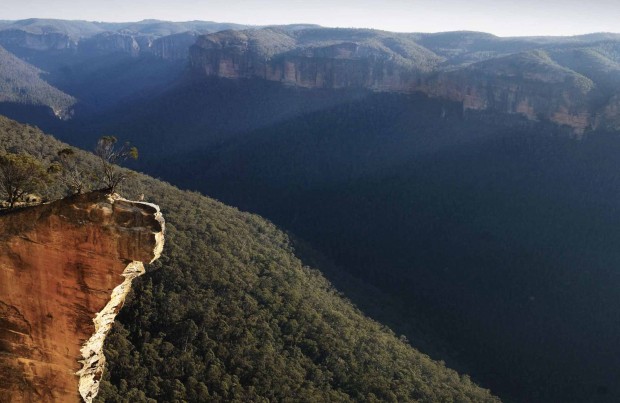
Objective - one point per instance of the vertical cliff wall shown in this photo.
(65, 269)
(522, 81)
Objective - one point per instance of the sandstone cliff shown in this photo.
(65, 269)
(50, 40)
(526, 83)
(483, 72)
(110, 42)
(173, 47)
(37, 41)
(306, 59)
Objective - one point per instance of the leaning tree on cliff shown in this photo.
(110, 154)
(20, 174)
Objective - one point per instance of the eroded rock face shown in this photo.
(529, 83)
(109, 42)
(345, 65)
(174, 47)
(65, 269)
(48, 41)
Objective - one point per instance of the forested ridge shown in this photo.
(229, 313)
(488, 238)
(21, 83)
(493, 239)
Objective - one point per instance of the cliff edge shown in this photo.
(65, 269)
(568, 82)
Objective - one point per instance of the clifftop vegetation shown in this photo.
(229, 313)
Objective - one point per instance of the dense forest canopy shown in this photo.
(229, 313)
(476, 215)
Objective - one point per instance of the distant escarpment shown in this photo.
(528, 83)
(65, 269)
(164, 39)
(36, 40)
(315, 58)
(542, 80)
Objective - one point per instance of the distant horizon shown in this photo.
(503, 18)
(301, 23)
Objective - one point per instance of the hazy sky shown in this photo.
(500, 17)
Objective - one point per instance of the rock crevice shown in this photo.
(65, 270)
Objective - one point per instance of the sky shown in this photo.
(499, 17)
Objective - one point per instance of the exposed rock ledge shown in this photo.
(65, 269)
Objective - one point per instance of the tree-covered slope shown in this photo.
(503, 233)
(21, 83)
(229, 313)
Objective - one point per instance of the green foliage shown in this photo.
(20, 174)
(426, 209)
(71, 174)
(458, 221)
(109, 155)
(229, 313)
(20, 82)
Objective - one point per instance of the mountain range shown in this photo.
(514, 75)
(458, 187)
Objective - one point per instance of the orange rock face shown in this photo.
(59, 266)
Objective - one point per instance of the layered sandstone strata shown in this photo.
(65, 269)
(529, 83)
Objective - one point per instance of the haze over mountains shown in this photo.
(515, 75)
(469, 180)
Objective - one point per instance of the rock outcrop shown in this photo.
(53, 41)
(527, 83)
(65, 269)
(173, 47)
(111, 42)
(77, 41)
(298, 58)
(481, 71)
